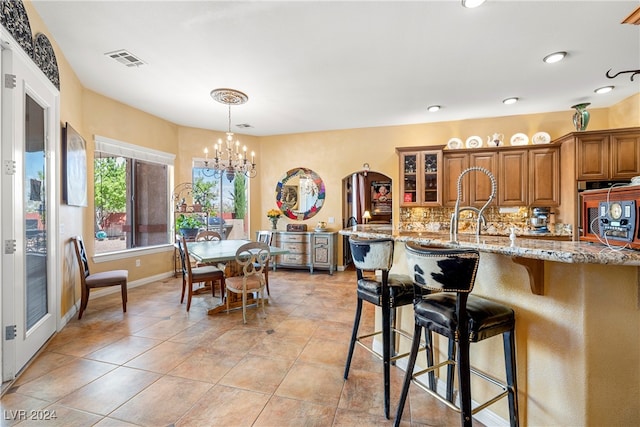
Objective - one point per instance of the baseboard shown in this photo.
(110, 290)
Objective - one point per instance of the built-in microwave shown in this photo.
(611, 216)
(593, 185)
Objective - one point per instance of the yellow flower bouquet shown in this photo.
(274, 213)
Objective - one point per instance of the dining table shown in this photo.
(217, 252)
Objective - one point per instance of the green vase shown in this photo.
(274, 223)
(581, 116)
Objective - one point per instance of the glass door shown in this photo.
(30, 147)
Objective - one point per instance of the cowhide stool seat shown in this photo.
(457, 315)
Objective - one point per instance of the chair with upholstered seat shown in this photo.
(97, 280)
(193, 275)
(265, 236)
(253, 258)
(210, 236)
(464, 318)
(387, 292)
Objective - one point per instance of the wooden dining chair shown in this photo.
(208, 236)
(97, 280)
(193, 275)
(252, 257)
(265, 236)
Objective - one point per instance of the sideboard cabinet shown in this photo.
(307, 249)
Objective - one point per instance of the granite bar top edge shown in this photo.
(571, 252)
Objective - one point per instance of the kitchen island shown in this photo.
(577, 325)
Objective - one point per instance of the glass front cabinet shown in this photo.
(420, 176)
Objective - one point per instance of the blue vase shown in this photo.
(581, 116)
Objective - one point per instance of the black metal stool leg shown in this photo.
(415, 345)
(386, 348)
(354, 337)
(510, 364)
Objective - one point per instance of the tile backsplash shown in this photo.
(438, 220)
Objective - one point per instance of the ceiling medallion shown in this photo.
(229, 96)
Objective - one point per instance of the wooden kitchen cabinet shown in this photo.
(525, 176)
(454, 164)
(479, 183)
(513, 176)
(606, 155)
(476, 186)
(544, 176)
(625, 155)
(592, 155)
(420, 176)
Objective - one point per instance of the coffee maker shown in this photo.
(540, 219)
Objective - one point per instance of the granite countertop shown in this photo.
(538, 249)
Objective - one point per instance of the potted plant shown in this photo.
(188, 225)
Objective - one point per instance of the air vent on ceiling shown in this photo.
(126, 58)
(243, 125)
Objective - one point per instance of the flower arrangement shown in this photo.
(274, 213)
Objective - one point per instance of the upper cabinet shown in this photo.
(513, 177)
(606, 155)
(525, 176)
(420, 176)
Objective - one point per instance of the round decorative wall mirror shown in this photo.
(300, 193)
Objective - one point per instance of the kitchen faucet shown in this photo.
(455, 217)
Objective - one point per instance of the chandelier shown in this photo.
(229, 160)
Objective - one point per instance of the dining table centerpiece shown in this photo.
(274, 215)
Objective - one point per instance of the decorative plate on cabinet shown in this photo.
(473, 142)
(519, 139)
(454, 143)
(541, 138)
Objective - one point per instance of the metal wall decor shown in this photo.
(13, 17)
(634, 72)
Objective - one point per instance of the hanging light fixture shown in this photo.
(229, 160)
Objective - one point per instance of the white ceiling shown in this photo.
(316, 65)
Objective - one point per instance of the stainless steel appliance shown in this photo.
(540, 219)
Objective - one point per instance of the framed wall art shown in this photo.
(381, 197)
(74, 186)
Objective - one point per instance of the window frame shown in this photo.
(114, 147)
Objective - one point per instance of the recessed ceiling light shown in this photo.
(509, 101)
(470, 4)
(433, 108)
(604, 89)
(554, 57)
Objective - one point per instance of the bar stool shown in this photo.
(389, 292)
(462, 317)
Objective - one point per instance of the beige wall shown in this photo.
(333, 154)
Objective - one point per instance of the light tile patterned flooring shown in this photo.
(158, 365)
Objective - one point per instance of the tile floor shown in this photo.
(158, 365)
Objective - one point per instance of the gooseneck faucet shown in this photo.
(455, 218)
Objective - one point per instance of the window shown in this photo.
(131, 196)
(235, 210)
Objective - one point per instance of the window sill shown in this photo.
(129, 253)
